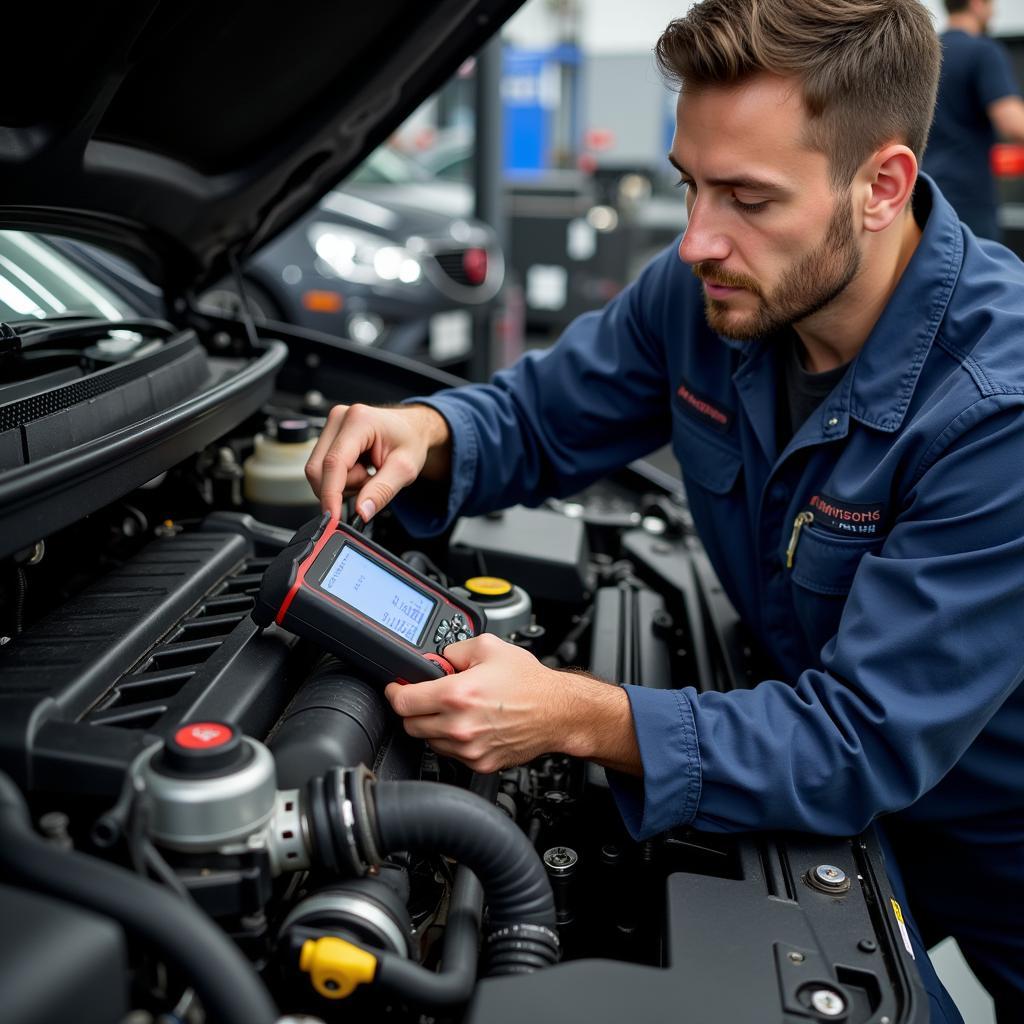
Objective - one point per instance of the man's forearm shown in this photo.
(434, 428)
(1007, 116)
(598, 725)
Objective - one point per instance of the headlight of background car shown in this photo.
(362, 257)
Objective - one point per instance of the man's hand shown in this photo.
(503, 708)
(402, 444)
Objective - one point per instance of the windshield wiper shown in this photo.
(16, 338)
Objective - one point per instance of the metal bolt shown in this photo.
(829, 878)
(833, 421)
(560, 858)
(54, 825)
(830, 875)
(827, 1002)
(226, 457)
(654, 525)
(797, 958)
(885, 1020)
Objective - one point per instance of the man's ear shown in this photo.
(888, 179)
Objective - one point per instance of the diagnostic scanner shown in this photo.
(354, 598)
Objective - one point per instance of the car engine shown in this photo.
(206, 820)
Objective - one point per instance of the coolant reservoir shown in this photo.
(275, 484)
(506, 607)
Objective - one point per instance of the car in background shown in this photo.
(401, 269)
(576, 237)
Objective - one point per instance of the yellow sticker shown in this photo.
(898, 911)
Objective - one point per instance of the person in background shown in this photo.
(978, 103)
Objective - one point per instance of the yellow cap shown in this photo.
(488, 586)
(335, 966)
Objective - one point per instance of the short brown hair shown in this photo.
(869, 69)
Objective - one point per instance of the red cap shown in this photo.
(204, 735)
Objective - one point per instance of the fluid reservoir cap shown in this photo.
(292, 431)
(484, 587)
(203, 748)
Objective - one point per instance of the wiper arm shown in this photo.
(35, 333)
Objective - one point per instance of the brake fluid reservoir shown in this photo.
(507, 607)
(275, 481)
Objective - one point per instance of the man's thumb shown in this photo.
(460, 655)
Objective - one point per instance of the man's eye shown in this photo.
(749, 207)
(685, 183)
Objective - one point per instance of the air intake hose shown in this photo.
(355, 821)
(225, 982)
(334, 719)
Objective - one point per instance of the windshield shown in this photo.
(386, 166)
(37, 281)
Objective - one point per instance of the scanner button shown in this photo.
(442, 663)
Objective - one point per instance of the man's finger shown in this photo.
(428, 727)
(412, 699)
(341, 456)
(395, 472)
(356, 478)
(466, 653)
(314, 464)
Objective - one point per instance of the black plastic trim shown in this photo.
(57, 491)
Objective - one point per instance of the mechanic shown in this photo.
(978, 101)
(836, 362)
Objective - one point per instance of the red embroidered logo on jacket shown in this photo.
(844, 516)
(706, 409)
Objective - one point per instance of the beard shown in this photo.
(815, 279)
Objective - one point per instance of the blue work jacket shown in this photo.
(896, 621)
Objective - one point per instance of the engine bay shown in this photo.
(260, 800)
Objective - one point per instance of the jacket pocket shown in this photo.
(709, 461)
(826, 564)
(823, 570)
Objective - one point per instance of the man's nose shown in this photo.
(702, 239)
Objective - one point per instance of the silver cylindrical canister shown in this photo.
(506, 607)
(209, 786)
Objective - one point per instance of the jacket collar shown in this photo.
(886, 369)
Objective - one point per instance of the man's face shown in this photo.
(766, 234)
(984, 11)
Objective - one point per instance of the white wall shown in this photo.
(611, 26)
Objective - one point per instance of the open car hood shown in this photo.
(178, 133)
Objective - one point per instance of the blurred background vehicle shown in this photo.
(392, 259)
